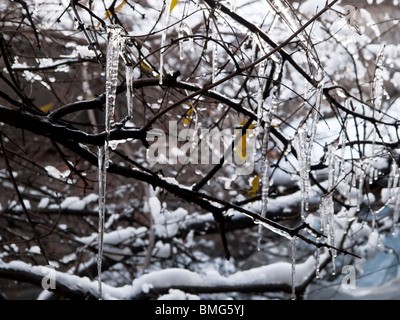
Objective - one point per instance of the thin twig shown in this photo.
(21, 201)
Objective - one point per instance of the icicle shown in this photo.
(102, 208)
(285, 10)
(184, 28)
(293, 247)
(113, 51)
(322, 211)
(347, 189)
(264, 174)
(328, 224)
(163, 39)
(264, 194)
(327, 208)
(361, 178)
(328, 204)
(316, 115)
(267, 117)
(317, 261)
(304, 141)
(331, 236)
(180, 36)
(372, 172)
(396, 211)
(373, 223)
(343, 148)
(393, 179)
(260, 93)
(302, 154)
(331, 166)
(267, 114)
(129, 89)
(264, 190)
(377, 173)
(214, 50)
(378, 89)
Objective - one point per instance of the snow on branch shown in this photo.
(270, 278)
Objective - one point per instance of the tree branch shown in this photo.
(56, 132)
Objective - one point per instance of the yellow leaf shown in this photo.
(173, 4)
(255, 186)
(47, 107)
(188, 119)
(117, 9)
(144, 65)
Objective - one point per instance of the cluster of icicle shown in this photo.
(185, 33)
(115, 48)
(266, 108)
(363, 170)
(303, 140)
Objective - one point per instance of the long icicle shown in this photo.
(102, 202)
(328, 204)
(304, 141)
(265, 113)
(113, 51)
